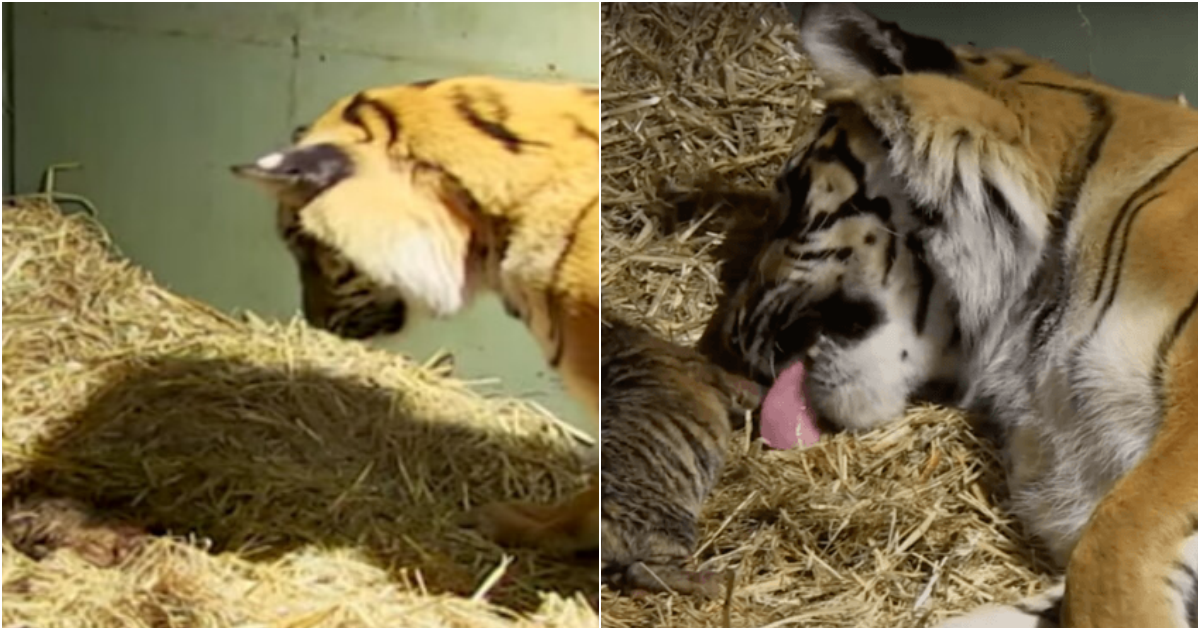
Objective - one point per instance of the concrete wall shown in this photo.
(1143, 46)
(157, 100)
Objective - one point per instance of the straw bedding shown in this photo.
(166, 465)
(898, 527)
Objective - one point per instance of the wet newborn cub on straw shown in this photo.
(664, 430)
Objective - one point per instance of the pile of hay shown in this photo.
(171, 466)
(693, 98)
(899, 527)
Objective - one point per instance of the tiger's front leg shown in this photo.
(568, 527)
(1135, 564)
(573, 525)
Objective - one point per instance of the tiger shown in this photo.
(1027, 235)
(667, 417)
(406, 201)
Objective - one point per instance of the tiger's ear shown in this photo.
(849, 46)
(305, 170)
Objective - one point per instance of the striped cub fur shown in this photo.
(413, 198)
(1049, 224)
(664, 432)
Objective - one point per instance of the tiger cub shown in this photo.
(414, 198)
(665, 429)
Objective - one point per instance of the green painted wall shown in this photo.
(9, 164)
(1142, 46)
(157, 100)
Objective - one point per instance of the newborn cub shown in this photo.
(664, 430)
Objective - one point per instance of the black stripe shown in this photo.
(572, 235)
(1014, 70)
(796, 179)
(852, 318)
(492, 128)
(857, 205)
(1182, 566)
(582, 131)
(924, 278)
(820, 254)
(1124, 212)
(1047, 320)
(839, 152)
(891, 254)
(681, 421)
(794, 250)
(1116, 280)
(556, 270)
(955, 337)
(928, 216)
(796, 183)
(1164, 348)
(1072, 185)
(1057, 86)
(1052, 273)
(291, 231)
(1048, 617)
(644, 447)
(922, 153)
(424, 84)
(827, 124)
(708, 457)
(345, 276)
(1188, 592)
(390, 119)
(550, 298)
(826, 220)
(1050, 283)
(511, 309)
(878, 206)
(298, 133)
(999, 204)
(961, 137)
(353, 116)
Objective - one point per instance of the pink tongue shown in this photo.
(786, 418)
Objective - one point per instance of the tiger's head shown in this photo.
(378, 234)
(837, 279)
(927, 154)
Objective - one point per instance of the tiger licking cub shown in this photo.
(415, 197)
(987, 216)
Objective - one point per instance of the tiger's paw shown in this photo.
(1039, 611)
(561, 529)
